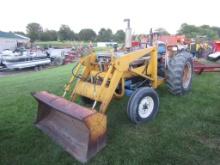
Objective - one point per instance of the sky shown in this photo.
(96, 14)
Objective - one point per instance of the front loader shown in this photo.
(96, 80)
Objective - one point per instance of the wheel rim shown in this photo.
(146, 107)
(187, 73)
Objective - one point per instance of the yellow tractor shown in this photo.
(99, 78)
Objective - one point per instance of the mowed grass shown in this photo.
(186, 130)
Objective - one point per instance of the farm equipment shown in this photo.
(215, 56)
(17, 60)
(81, 129)
(75, 53)
(200, 67)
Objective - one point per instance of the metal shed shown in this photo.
(10, 40)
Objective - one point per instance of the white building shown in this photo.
(11, 40)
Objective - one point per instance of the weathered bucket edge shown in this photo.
(93, 146)
(54, 103)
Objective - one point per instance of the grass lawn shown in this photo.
(58, 44)
(186, 130)
(65, 44)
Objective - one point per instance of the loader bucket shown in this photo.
(80, 131)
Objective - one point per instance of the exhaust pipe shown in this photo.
(128, 35)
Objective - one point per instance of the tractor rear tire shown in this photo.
(143, 105)
(179, 73)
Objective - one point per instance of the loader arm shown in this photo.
(123, 63)
(104, 92)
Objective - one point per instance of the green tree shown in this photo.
(209, 33)
(192, 31)
(119, 36)
(49, 35)
(189, 30)
(87, 35)
(217, 30)
(162, 31)
(65, 33)
(105, 35)
(34, 31)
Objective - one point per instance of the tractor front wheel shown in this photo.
(143, 105)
